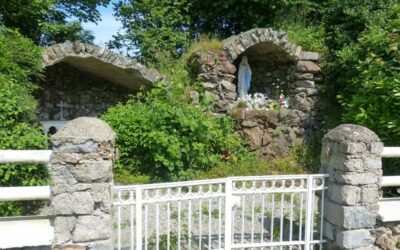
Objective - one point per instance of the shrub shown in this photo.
(296, 162)
(370, 71)
(310, 37)
(19, 64)
(162, 136)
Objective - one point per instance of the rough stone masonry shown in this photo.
(351, 156)
(81, 169)
(274, 61)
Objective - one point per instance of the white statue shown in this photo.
(244, 78)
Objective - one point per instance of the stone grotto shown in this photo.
(84, 80)
(282, 108)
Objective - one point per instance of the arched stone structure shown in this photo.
(274, 61)
(85, 80)
(237, 45)
(101, 62)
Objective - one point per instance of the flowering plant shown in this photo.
(262, 102)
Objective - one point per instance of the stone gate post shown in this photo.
(81, 169)
(351, 156)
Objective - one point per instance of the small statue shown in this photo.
(244, 78)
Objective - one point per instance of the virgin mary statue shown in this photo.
(244, 78)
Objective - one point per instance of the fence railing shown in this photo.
(388, 205)
(230, 213)
(18, 231)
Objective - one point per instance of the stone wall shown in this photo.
(351, 155)
(83, 94)
(273, 61)
(81, 169)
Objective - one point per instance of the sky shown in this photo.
(106, 28)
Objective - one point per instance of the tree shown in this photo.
(345, 20)
(48, 21)
(20, 66)
(158, 28)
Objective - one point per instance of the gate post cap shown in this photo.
(352, 133)
(84, 128)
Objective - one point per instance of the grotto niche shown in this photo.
(283, 107)
(85, 80)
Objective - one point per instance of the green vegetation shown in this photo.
(161, 135)
(46, 21)
(168, 26)
(296, 162)
(20, 64)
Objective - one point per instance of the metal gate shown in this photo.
(258, 212)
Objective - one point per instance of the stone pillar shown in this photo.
(351, 156)
(81, 169)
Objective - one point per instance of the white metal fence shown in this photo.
(36, 230)
(388, 205)
(263, 212)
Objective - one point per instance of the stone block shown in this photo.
(61, 174)
(209, 86)
(376, 148)
(346, 163)
(304, 84)
(345, 194)
(65, 188)
(266, 139)
(63, 226)
(372, 162)
(230, 95)
(355, 179)
(75, 203)
(349, 217)
(254, 137)
(308, 66)
(354, 239)
(310, 56)
(370, 195)
(387, 241)
(92, 227)
(249, 123)
(330, 230)
(352, 147)
(228, 86)
(93, 171)
(304, 76)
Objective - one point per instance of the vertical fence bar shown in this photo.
(219, 220)
(168, 224)
(139, 218)
(146, 227)
(309, 212)
(190, 221)
(132, 226)
(322, 214)
(272, 216)
(209, 222)
(243, 213)
(119, 228)
(228, 214)
(252, 218)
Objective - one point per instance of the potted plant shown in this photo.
(242, 105)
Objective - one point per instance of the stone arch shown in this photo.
(273, 61)
(237, 45)
(101, 62)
